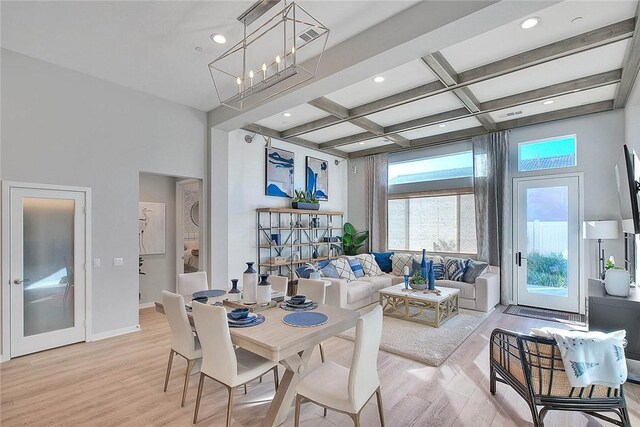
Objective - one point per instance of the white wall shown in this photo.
(64, 127)
(160, 269)
(245, 178)
(632, 138)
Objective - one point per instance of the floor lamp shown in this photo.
(600, 230)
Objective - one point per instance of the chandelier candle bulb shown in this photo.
(264, 71)
(278, 63)
(251, 77)
(239, 81)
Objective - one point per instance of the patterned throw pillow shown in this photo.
(369, 265)
(438, 270)
(303, 272)
(474, 269)
(344, 269)
(399, 261)
(383, 259)
(329, 271)
(454, 268)
(356, 267)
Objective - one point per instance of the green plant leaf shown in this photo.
(347, 240)
(349, 228)
(361, 238)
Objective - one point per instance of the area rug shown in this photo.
(424, 343)
(544, 314)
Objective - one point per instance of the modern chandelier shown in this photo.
(266, 62)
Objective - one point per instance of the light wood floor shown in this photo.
(118, 382)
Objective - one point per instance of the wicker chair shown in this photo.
(533, 367)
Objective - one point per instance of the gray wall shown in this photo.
(160, 269)
(632, 138)
(63, 127)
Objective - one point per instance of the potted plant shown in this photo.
(305, 200)
(351, 239)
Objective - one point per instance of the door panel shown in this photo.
(47, 251)
(546, 238)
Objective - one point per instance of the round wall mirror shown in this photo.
(195, 213)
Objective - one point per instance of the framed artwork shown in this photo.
(151, 228)
(317, 181)
(279, 170)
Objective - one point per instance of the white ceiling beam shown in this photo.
(272, 133)
(630, 66)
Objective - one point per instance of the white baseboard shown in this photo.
(114, 333)
(146, 305)
(2, 358)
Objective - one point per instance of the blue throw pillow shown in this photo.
(455, 268)
(356, 267)
(323, 264)
(384, 260)
(415, 266)
(330, 271)
(438, 270)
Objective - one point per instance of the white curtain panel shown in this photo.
(377, 189)
(492, 195)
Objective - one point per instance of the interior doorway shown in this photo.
(189, 226)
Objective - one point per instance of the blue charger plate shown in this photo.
(305, 319)
(210, 293)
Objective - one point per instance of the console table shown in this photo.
(607, 313)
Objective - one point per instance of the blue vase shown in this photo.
(432, 277)
(424, 267)
(406, 281)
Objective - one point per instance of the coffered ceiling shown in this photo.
(581, 58)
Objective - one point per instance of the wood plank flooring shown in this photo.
(118, 382)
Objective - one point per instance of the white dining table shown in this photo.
(290, 346)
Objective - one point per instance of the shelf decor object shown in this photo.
(306, 236)
(234, 292)
(250, 284)
(276, 54)
(600, 230)
(264, 290)
(616, 282)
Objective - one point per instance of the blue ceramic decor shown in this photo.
(406, 281)
(238, 313)
(424, 267)
(275, 238)
(432, 277)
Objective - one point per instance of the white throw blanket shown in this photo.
(590, 357)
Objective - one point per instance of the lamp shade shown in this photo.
(601, 230)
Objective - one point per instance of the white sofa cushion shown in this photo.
(369, 265)
(358, 290)
(467, 290)
(379, 282)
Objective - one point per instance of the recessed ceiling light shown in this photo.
(218, 38)
(286, 114)
(548, 102)
(441, 125)
(378, 79)
(577, 19)
(361, 143)
(529, 23)
(198, 50)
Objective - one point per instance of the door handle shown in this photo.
(18, 282)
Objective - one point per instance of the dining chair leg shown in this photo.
(380, 410)
(324, 412)
(356, 420)
(321, 352)
(296, 421)
(229, 406)
(198, 397)
(260, 378)
(245, 389)
(166, 379)
(187, 375)
(276, 379)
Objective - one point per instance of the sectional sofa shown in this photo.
(483, 295)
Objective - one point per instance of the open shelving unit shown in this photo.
(296, 235)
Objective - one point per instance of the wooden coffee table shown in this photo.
(418, 306)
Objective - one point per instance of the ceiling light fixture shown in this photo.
(286, 114)
(548, 102)
(198, 50)
(529, 23)
(218, 38)
(378, 79)
(245, 75)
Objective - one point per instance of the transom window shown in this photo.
(450, 166)
(550, 153)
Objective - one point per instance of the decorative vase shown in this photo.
(406, 281)
(250, 284)
(418, 286)
(234, 293)
(432, 276)
(315, 253)
(424, 267)
(264, 290)
(616, 282)
(275, 238)
(305, 205)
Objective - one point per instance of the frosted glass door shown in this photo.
(546, 241)
(47, 269)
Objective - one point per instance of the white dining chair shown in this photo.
(279, 283)
(188, 283)
(347, 390)
(183, 341)
(314, 290)
(221, 362)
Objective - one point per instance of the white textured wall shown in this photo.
(245, 176)
(159, 269)
(64, 127)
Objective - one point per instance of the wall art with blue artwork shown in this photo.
(318, 178)
(279, 173)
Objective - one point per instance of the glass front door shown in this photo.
(546, 241)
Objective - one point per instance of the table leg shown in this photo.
(283, 400)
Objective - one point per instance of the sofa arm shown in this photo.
(487, 291)
(337, 292)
